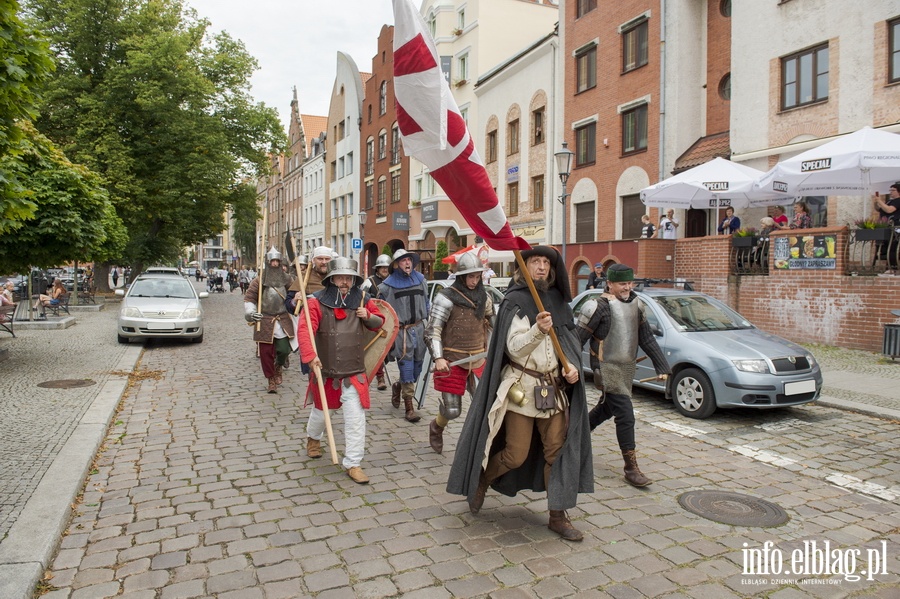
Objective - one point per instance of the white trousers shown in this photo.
(354, 427)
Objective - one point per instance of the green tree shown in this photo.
(245, 214)
(146, 97)
(440, 253)
(25, 66)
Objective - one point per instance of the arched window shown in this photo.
(582, 272)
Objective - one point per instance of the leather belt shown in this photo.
(530, 372)
(412, 324)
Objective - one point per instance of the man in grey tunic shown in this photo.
(616, 326)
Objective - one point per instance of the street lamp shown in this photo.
(563, 168)
(363, 217)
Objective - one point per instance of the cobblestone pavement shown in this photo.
(35, 422)
(202, 489)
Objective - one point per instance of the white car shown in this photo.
(160, 306)
(163, 270)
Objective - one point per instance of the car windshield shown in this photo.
(161, 288)
(696, 313)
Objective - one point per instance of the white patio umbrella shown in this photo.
(715, 184)
(860, 163)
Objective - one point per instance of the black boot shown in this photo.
(395, 394)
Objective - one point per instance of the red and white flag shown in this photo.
(434, 132)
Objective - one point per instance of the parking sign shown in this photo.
(357, 244)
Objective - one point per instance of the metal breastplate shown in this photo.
(463, 332)
(272, 301)
(340, 344)
(620, 345)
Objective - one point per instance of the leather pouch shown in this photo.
(545, 397)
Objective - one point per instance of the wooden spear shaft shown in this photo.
(540, 306)
(316, 370)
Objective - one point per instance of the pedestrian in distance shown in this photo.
(459, 328)
(339, 315)
(616, 326)
(527, 426)
(730, 224)
(596, 278)
(406, 292)
(648, 231)
(668, 225)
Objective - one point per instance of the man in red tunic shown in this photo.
(339, 315)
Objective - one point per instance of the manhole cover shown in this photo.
(733, 508)
(67, 383)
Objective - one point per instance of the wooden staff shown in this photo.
(540, 306)
(316, 370)
(262, 269)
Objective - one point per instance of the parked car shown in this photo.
(40, 281)
(718, 358)
(163, 270)
(67, 276)
(160, 306)
(438, 284)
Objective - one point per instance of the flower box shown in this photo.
(744, 242)
(879, 234)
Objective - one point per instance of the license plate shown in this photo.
(160, 326)
(798, 387)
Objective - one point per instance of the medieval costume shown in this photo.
(616, 328)
(521, 357)
(273, 328)
(382, 264)
(458, 329)
(406, 292)
(338, 316)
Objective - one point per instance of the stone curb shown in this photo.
(32, 541)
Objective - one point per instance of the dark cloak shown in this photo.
(573, 472)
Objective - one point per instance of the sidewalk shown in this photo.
(202, 488)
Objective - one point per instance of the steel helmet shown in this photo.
(273, 254)
(344, 266)
(382, 260)
(404, 253)
(467, 264)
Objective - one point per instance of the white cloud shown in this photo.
(296, 42)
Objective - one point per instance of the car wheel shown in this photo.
(123, 339)
(197, 339)
(693, 394)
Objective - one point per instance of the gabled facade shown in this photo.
(314, 194)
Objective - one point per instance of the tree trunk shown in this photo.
(101, 277)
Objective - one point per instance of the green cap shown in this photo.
(619, 273)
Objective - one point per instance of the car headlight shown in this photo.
(811, 360)
(131, 313)
(191, 313)
(751, 365)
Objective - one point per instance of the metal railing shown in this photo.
(872, 251)
(751, 259)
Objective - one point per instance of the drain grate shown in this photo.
(733, 508)
(67, 384)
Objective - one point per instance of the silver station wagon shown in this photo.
(160, 306)
(718, 358)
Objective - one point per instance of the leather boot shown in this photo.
(277, 377)
(633, 473)
(407, 392)
(313, 448)
(273, 386)
(395, 394)
(436, 436)
(560, 524)
(381, 384)
(480, 491)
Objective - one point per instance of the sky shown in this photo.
(296, 43)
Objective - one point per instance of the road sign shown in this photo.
(357, 243)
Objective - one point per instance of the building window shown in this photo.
(382, 98)
(512, 196)
(333, 171)
(464, 113)
(418, 196)
(382, 145)
(804, 77)
(349, 163)
(583, 7)
(634, 46)
(537, 120)
(513, 134)
(584, 222)
(586, 69)
(586, 144)
(462, 69)
(340, 168)
(341, 130)
(369, 196)
(461, 19)
(370, 113)
(725, 87)
(370, 157)
(395, 188)
(492, 146)
(432, 24)
(537, 193)
(382, 207)
(395, 146)
(894, 51)
(634, 130)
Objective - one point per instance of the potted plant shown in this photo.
(873, 229)
(440, 269)
(457, 32)
(460, 82)
(744, 238)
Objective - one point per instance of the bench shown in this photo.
(62, 305)
(7, 312)
(86, 295)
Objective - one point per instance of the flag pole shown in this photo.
(540, 306)
(312, 340)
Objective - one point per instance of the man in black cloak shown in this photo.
(508, 442)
